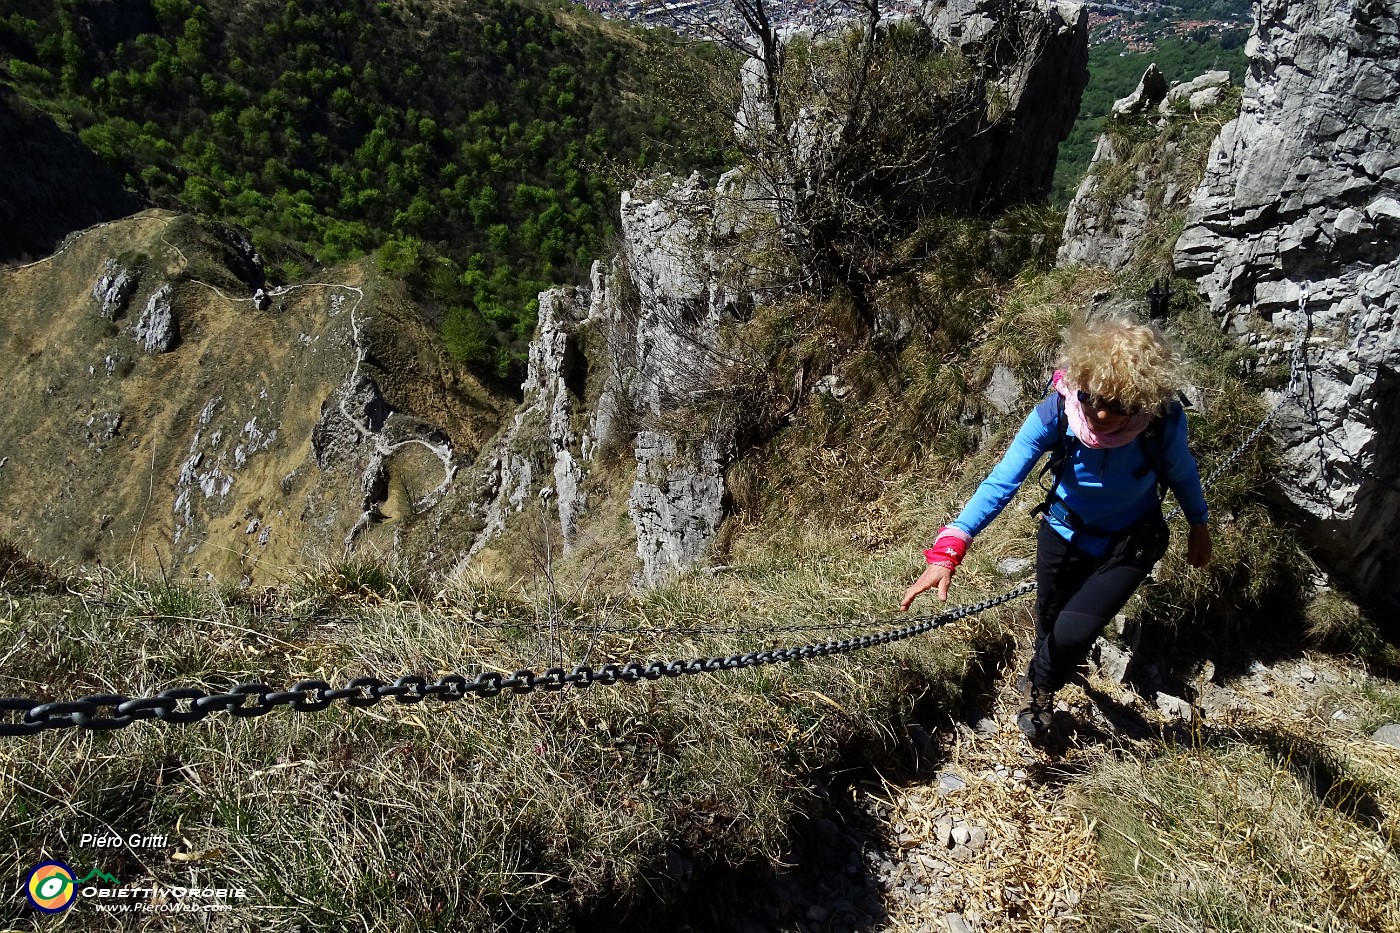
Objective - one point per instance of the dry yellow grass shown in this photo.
(1281, 818)
(547, 807)
(1039, 863)
(98, 432)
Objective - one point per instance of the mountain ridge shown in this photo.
(202, 458)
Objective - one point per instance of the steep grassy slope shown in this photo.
(201, 460)
(594, 809)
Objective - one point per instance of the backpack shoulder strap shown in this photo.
(1052, 411)
(1153, 443)
(1051, 408)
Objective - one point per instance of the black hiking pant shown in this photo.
(1078, 593)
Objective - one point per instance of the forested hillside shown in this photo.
(477, 146)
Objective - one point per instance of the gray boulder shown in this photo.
(1388, 734)
(1200, 93)
(114, 288)
(1151, 91)
(157, 330)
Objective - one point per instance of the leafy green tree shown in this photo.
(467, 336)
(400, 257)
(202, 194)
(72, 55)
(282, 117)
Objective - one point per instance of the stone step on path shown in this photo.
(987, 845)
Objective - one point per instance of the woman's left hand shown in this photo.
(1198, 546)
(935, 577)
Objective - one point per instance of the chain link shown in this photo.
(190, 704)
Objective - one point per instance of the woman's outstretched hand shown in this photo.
(934, 575)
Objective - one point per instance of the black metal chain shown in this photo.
(581, 628)
(189, 704)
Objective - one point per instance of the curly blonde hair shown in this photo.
(1120, 359)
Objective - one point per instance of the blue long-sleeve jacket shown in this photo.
(1098, 485)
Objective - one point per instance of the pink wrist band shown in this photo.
(948, 550)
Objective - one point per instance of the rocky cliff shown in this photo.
(1294, 230)
(1302, 198)
(664, 384)
(1037, 52)
(644, 335)
(1144, 170)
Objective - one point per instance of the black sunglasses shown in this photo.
(1099, 403)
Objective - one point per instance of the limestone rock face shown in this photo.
(643, 334)
(1038, 54)
(542, 441)
(664, 346)
(1302, 197)
(1099, 230)
(113, 289)
(643, 343)
(157, 330)
(677, 502)
(355, 402)
(1110, 223)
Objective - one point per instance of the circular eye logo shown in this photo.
(51, 887)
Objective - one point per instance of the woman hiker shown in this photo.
(1115, 432)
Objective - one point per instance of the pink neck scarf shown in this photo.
(1088, 436)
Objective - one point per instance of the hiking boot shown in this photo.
(1034, 718)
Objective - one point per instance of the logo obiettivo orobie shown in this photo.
(51, 887)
